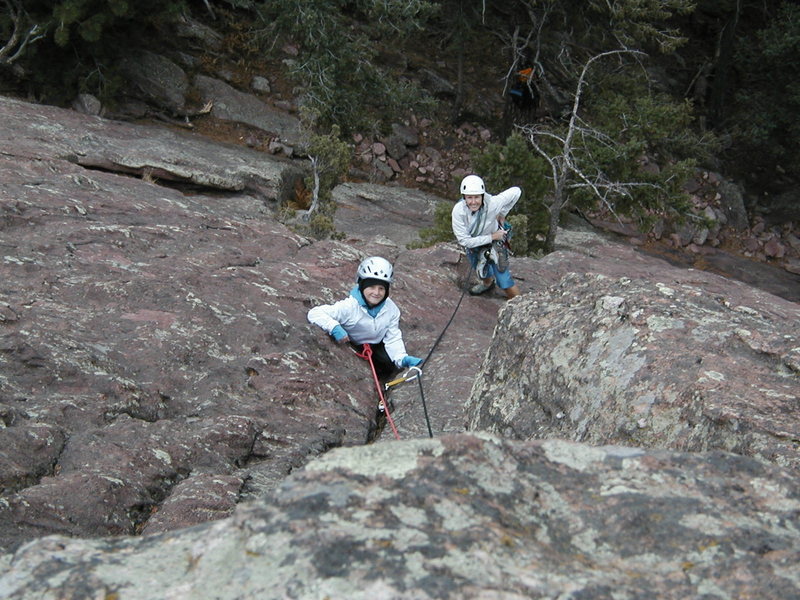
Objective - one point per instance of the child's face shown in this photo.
(374, 294)
(473, 201)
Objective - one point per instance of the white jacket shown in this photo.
(364, 325)
(463, 219)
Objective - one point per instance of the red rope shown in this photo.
(366, 354)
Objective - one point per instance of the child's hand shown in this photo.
(340, 335)
(411, 361)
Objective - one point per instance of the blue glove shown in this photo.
(411, 361)
(338, 333)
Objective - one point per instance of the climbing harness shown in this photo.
(366, 353)
(496, 252)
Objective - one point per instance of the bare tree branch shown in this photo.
(16, 44)
(566, 171)
(210, 9)
(315, 190)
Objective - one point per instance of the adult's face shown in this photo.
(473, 201)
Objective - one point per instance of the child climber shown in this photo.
(478, 222)
(368, 316)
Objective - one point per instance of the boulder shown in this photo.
(45, 133)
(625, 349)
(461, 516)
(155, 80)
(196, 34)
(229, 104)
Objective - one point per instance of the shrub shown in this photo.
(514, 163)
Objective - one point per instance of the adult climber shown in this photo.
(478, 221)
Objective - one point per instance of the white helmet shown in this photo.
(472, 185)
(375, 267)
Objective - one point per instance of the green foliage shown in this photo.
(330, 157)
(648, 140)
(90, 19)
(514, 163)
(337, 66)
(765, 124)
(321, 226)
(83, 41)
(644, 23)
(565, 33)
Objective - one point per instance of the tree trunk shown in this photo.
(555, 214)
(720, 89)
(458, 103)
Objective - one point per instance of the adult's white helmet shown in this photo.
(375, 267)
(472, 185)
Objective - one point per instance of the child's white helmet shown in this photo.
(375, 267)
(472, 185)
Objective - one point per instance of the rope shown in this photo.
(455, 310)
(436, 343)
(366, 353)
(424, 407)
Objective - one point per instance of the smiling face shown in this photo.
(473, 201)
(374, 294)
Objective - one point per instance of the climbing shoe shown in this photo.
(500, 255)
(480, 288)
(482, 268)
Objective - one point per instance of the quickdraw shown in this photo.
(407, 376)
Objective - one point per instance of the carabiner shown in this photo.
(406, 377)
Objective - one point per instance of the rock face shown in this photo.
(625, 349)
(42, 133)
(157, 372)
(157, 365)
(394, 213)
(143, 344)
(232, 105)
(462, 516)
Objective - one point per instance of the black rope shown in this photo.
(436, 343)
(424, 406)
(455, 310)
